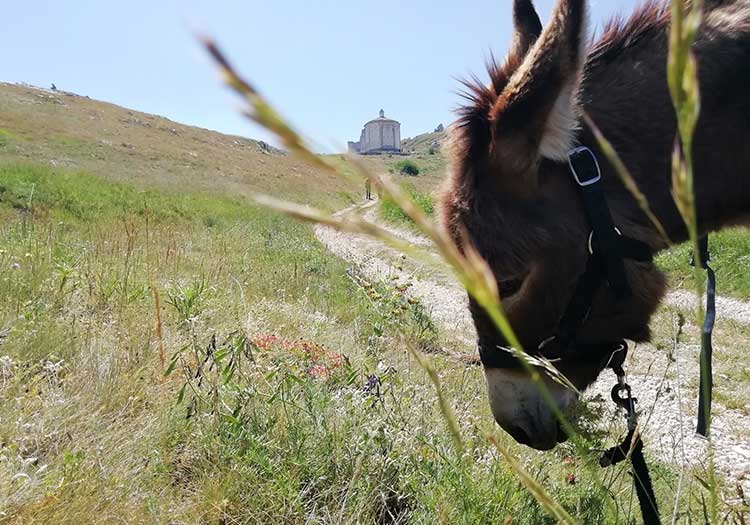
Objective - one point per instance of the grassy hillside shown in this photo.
(66, 130)
(170, 353)
(180, 357)
(422, 144)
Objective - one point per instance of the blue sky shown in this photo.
(327, 65)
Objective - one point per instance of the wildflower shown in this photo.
(15, 266)
(265, 342)
(53, 368)
(372, 385)
(319, 372)
(570, 478)
(335, 360)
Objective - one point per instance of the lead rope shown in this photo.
(706, 375)
(632, 444)
(606, 263)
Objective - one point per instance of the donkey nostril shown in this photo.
(519, 434)
(537, 439)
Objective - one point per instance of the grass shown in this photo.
(287, 397)
(391, 212)
(730, 258)
(80, 262)
(123, 145)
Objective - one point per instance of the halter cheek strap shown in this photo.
(607, 248)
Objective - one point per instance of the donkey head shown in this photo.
(511, 195)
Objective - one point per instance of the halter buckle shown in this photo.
(585, 175)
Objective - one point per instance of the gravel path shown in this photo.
(667, 401)
(726, 307)
(443, 297)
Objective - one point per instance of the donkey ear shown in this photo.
(537, 113)
(526, 28)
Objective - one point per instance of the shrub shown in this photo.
(393, 213)
(407, 167)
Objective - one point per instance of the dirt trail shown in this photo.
(667, 401)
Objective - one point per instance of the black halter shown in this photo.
(608, 249)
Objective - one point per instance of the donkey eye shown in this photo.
(509, 287)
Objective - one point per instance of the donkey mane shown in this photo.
(649, 20)
(618, 35)
(510, 194)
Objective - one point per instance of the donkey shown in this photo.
(511, 194)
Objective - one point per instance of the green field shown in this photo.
(171, 353)
(264, 415)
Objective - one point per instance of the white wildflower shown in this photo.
(7, 366)
(53, 368)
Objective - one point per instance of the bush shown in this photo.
(407, 167)
(391, 212)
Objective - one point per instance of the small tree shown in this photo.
(407, 167)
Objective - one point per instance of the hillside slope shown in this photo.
(423, 143)
(67, 130)
(171, 354)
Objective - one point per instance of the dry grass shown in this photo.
(125, 145)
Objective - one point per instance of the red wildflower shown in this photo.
(319, 372)
(266, 341)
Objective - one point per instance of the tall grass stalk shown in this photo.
(534, 488)
(627, 179)
(470, 268)
(682, 76)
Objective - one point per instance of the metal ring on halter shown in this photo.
(628, 402)
(591, 240)
(617, 368)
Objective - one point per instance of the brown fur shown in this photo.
(523, 212)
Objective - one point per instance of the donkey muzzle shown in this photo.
(521, 409)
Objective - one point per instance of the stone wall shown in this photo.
(381, 135)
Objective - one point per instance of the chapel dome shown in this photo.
(382, 118)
